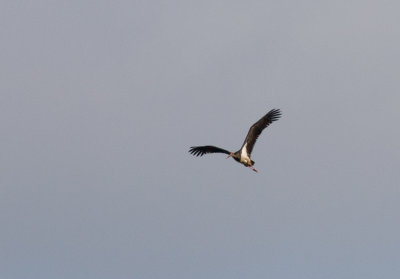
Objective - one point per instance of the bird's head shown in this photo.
(230, 155)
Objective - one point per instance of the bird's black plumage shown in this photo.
(201, 150)
(256, 129)
(243, 155)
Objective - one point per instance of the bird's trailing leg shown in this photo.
(230, 155)
(253, 168)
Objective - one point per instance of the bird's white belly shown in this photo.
(244, 157)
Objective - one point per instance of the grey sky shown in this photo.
(100, 101)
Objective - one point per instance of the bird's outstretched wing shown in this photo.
(201, 150)
(258, 127)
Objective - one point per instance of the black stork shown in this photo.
(243, 155)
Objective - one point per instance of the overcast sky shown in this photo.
(101, 100)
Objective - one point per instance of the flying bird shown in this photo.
(243, 154)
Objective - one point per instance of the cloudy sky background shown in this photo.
(101, 100)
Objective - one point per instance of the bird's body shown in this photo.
(243, 154)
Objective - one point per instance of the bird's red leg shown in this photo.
(230, 155)
(253, 168)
